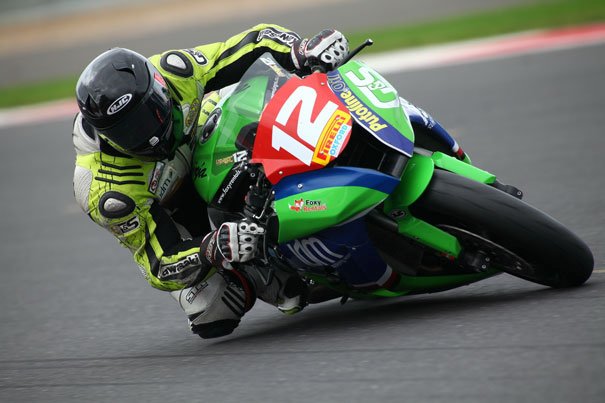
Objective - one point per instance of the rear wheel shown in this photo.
(558, 258)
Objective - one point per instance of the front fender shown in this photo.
(415, 179)
(418, 173)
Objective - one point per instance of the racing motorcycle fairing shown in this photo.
(304, 127)
(228, 134)
(415, 179)
(374, 104)
(310, 202)
(344, 252)
(332, 151)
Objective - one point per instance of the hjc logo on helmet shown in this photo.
(119, 104)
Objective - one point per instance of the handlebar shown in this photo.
(318, 68)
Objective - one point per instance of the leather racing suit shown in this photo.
(151, 207)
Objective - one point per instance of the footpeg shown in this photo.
(481, 254)
(477, 261)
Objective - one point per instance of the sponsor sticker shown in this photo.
(236, 157)
(362, 112)
(155, 177)
(119, 104)
(296, 206)
(377, 94)
(198, 56)
(332, 138)
(200, 171)
(229, 186)
(125, 227)
(167, 181)
(307, 206)
(194, 291)
(178, 267)
(193, 113)
(286, 38)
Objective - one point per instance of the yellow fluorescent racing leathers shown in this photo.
(142, 203)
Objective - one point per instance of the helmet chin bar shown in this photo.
(160, 153)
(156, 148)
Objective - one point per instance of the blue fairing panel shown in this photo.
(344, 250)
(335, 177)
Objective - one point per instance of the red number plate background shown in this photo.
(303, 128)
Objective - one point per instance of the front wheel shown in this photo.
(557, 256)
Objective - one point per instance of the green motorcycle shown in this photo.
(329, 164)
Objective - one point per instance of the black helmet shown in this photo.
(124, 97)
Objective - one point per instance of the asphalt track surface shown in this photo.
(78, 323)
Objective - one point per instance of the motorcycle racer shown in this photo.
(132, 139)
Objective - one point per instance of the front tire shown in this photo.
(559, 258)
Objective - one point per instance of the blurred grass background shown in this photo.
(558, 13)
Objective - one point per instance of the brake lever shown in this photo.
(354, 52)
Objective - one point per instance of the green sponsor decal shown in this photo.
(374, 104)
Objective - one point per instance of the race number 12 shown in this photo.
(307, 129)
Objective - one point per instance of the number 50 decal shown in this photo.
(302, 128)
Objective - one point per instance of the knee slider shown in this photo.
(214, 307)
(214, 329)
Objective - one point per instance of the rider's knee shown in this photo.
(214, 307)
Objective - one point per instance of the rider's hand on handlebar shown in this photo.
(322, 52)
(231, 242)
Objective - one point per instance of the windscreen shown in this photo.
(247, 102)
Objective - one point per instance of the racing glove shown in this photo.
(231, 242)
(323, 52)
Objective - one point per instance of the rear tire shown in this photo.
(558, 256)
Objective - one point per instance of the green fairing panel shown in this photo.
(461, 168)
(414, 181)
(306, 213)
(419, 172)
(215, 157)
(409, 284)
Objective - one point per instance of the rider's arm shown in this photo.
(190, 73)
(430, 134)
(168, 260)
(217, 65)
(230, 59)
(123, 195)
